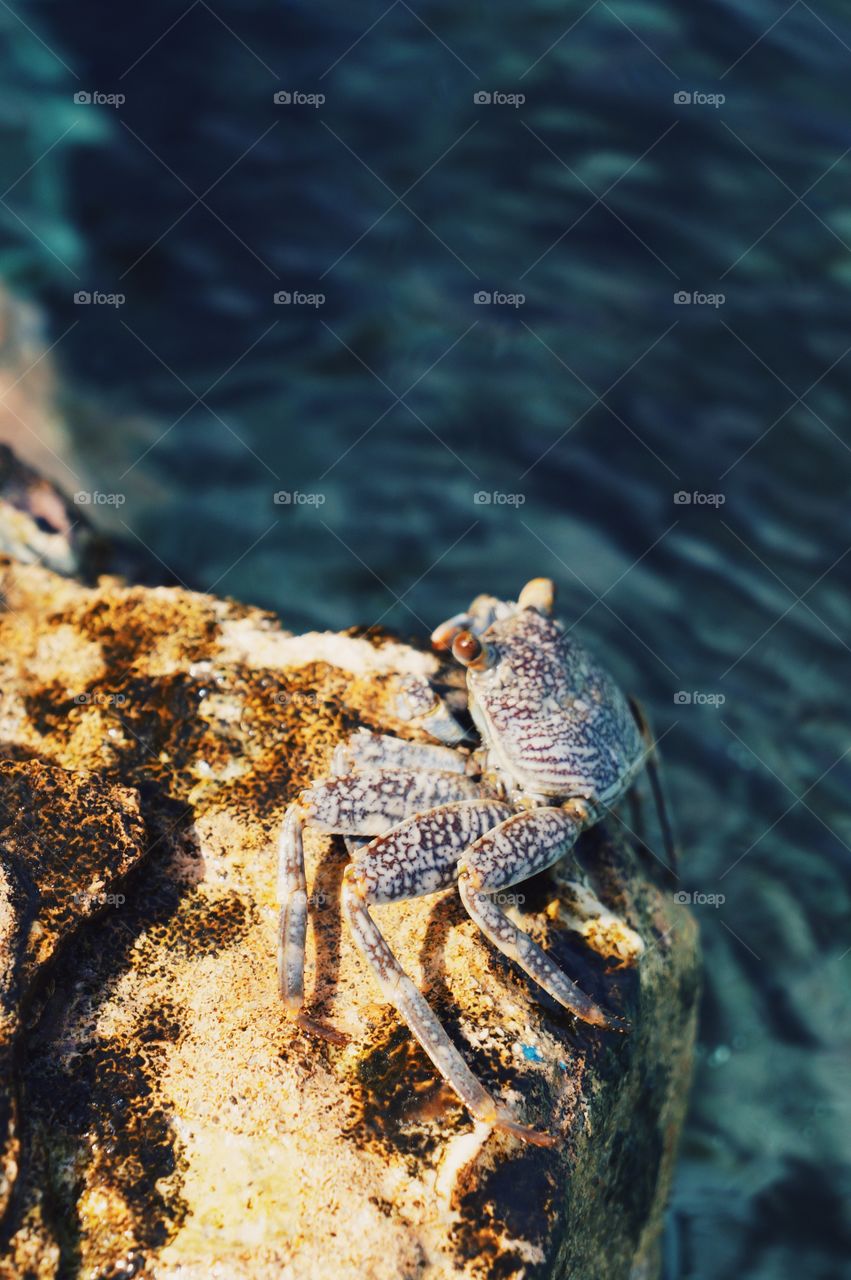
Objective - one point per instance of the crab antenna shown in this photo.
(540, 593)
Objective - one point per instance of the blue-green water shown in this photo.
(598, 198)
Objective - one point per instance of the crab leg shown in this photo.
(515, 850)
(292, 921)
(654, 773)
(359, 804)
(368, 803)
(418, 857)
(365, 750)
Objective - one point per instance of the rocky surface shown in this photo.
(66, 839)
(173, 1122)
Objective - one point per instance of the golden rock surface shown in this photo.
(173, 1123)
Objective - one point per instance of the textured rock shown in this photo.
(65, 839)
(176, 1125)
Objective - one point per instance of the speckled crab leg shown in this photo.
(521, 846)
(371, 801)
(360, 804)
(365, 750)
(418, 857)
(292, 921)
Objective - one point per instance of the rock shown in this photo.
(175, 1124)
(39, 524)
(65, 840)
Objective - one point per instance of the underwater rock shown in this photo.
(39, 524)
(174, 1122)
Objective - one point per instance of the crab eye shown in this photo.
(443, 636)
(538, 594)
(466, 648)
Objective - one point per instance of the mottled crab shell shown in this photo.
(555, 721)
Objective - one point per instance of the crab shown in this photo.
(560, 744)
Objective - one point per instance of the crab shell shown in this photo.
(554, 722)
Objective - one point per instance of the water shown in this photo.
(741, 595)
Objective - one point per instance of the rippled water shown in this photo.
(598, 198)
